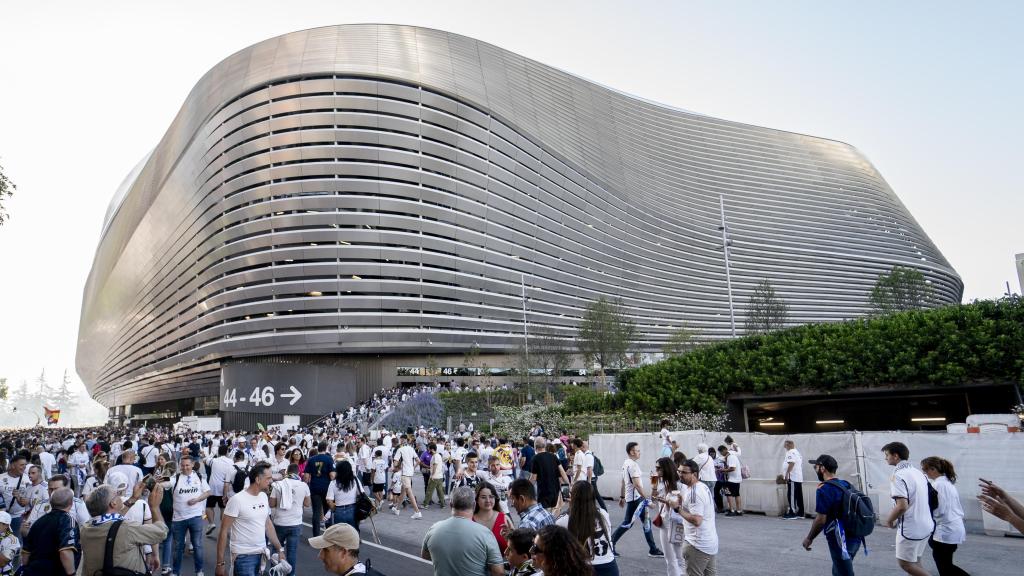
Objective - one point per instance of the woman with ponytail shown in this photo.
(949, 515)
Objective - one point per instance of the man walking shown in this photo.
(828, 505)
(547, 473)
(910, 515)
(697, 508)
(287, 501)
(631, 496)
(406, 463)
(460, 546)
(222, 472)
(792, 471)
(189, 492)
(247, 520)
(319, 470)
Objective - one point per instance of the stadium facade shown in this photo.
(345, 208)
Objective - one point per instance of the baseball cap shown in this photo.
(341, 535)
(825, 461)
(5, 518)
(116, 479)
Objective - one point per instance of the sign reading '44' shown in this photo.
(266, 397)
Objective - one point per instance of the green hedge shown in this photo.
(941, 347)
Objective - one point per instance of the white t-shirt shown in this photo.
(248, 532)
(221, 470)
(380, 471)
(78, 511)
(707, 468)
(131, 473)
(47, 462)
(797, 475)
(630, 470)
(733, 461)
(149, 454)
(666, 442)
(949, 516)
(700, 503)
(408, 458)
(187, 488)
(600, 544)
(279, 469)
(78, 460)
(364, 458)
(8, 484)
(340, 496)
(910, 483)
(582, 461)
(139, 513)
(10, 548)
(293, 515)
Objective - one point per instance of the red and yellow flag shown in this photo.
(52, 415)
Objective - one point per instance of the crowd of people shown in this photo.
(373, 409)
(143, 498)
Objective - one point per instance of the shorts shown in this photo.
(378, 487)
(215, 501)
(733, 488)
(407, 482)
(910, 550)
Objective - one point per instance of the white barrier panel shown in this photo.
(996, 457)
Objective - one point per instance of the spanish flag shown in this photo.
(52, 415)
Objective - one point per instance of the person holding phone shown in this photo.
(998, 503)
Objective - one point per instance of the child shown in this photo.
(380, 476)
(396, 492)
(10, 546)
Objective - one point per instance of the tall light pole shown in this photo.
(728, 275)
(526, 339)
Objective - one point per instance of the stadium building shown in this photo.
(344, 209)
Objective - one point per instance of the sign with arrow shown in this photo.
(285, 388)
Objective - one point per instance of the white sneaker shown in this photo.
(396, 511)
(417, 516)
(199, 574)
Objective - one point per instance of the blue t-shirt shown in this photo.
(828, 500)
(528, 453)
(319, 468)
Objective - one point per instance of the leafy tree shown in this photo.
(900, 290)
(65, 398)
(605, 334)
(432, 368)
(680, 342)
(7, 189)
(766, 311)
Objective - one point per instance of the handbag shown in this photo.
(364, 506)
(780, 479)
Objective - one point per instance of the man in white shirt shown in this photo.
(189, 492)
(631, 497)
(288, 499)
(47, 462)
(78, 509)
(364, 463)
(733, 478)
(222, 472)
(697, 509)
(78, 467)
(148, 452)
(406, 463)
(793, 472)
(14, 490)
(128, 469)
(247, 520)
(707, 466)
(910, 515)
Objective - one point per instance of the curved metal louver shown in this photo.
(372, 187)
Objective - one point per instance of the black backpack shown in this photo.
(598, 467)
(167, 504)
(238, 482)
(857, 513)
(933, 498)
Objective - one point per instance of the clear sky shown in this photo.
(930, 91)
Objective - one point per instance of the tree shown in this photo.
(552, 353)
(432, 368)
(766, 311)
(680, 342)
(605, 334)
(65, 398)
(900, 290)
(7, 189)
(470, 359)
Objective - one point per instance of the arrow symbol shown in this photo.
(295, 395)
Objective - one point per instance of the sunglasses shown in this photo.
(535, 550)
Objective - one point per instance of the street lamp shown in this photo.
(726, 242)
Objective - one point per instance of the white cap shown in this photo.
(5, 518)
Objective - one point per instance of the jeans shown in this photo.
(607, 569)
(194, 526)
(346, 514)
(645, 521)
(289, 536)
(942, 553)
(165, 550)
(319, 508)
(597, 495)
(247, 565)
(840, 567)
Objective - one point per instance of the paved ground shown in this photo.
(749, 545)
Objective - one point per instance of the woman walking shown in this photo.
(341, 495)
(589, 525)
(949, 516)
(669, 492)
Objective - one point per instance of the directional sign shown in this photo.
(285, 388)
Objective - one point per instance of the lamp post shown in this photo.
(526, 340)
(728, 275)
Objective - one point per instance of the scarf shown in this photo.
(103, 519)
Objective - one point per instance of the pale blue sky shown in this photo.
(929, 91)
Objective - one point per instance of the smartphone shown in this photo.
(149, 481)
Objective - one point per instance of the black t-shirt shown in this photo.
(319, 468)
(545, 466)
(54, 532)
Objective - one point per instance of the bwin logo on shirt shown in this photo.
(258, 506)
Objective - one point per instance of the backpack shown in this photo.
(238, 482)
(933, 498)
(598, 467)
(167, 504)
(857, 513)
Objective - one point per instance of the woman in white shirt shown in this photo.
(590, 526)
(669, 493)
(949, 516)
(341, 494)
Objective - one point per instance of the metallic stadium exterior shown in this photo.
(355, 198)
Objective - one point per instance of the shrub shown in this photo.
(420, 410)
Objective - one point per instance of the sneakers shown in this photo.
(210, 528)
(165, 572)
(396, 511)
(417, 516)
(655, 553)
(731, 513)
(791, 517)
